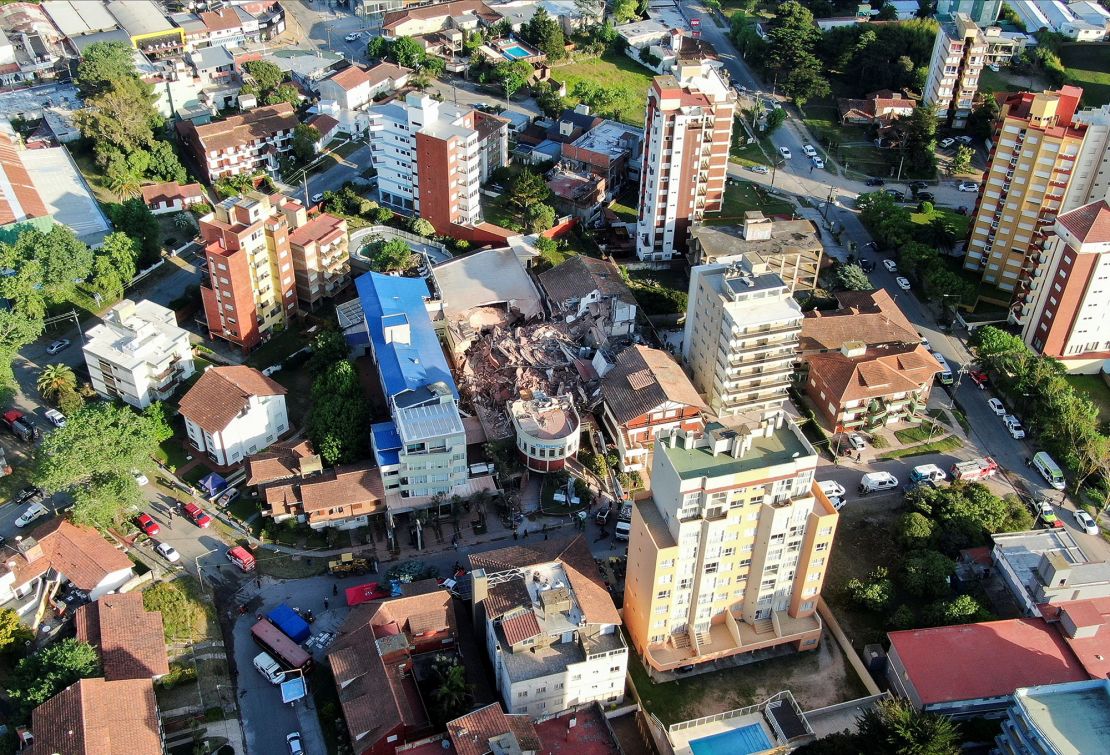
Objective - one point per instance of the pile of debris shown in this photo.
(544, 357)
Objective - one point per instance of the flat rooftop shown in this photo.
(727, 241)
(785, 445)
(494, 276)
(1022, 552)
(610, 138)
(546, 418)
(1074, 718)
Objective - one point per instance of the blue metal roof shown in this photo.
(386, 442)
(391, 300)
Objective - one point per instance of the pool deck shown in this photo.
(681, 739)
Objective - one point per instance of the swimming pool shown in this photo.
(516, 52)
(742, 741)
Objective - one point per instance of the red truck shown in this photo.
(976, 469)
(286, 652)
(19, 425)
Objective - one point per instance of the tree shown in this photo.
(513, 75)
(873, 593)
(914, 530)
(920, 129)
(99, 441)
(548, 98)
(807, 80)
(405, 51)
(528, 189)
(961, 163)
(13, 632)
(965, 515)
(125, 179)
(539, 217)
(896, 726)
(123, 117)
(283, 93)
(625, 11)
(17, 329)
(887, 13)
(963, 609)
(422, 227)
(106, 500)
(329, 346)
(137, 221)
(338, 422)
(55, 380)
(925, 573)
(114, 265)
(40, 676)
(544, 31)
(305, 138)
(451, 693)
(102, 65)
(982, 119)
(267, 75)
(394, 255)
(42, 268)
(548, 247)
(852, 278)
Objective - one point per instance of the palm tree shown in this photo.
(125, 185)
(56, 380)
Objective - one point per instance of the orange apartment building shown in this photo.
(321, 259)
(729, 555)
(1037, 142)
(241, 144)
(248, 286)
(693, 109)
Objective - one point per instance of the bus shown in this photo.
(1049, 469)
(284, 650)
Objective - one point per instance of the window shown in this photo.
(663, 594)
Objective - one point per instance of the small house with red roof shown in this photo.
(171, 196)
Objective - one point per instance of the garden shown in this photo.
(613, 84)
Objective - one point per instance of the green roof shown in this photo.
(781, 448)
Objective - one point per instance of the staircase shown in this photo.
(763, 626)
(680, 640)
(704, 639)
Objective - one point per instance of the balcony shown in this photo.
(728, 636)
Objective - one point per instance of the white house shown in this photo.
(170, 197)
(356, 87)
(138, 354)
(233, 412)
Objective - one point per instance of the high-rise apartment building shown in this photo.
(959, 55)
(1090, 178)
(1066, 305)
(1037, 144)
(982, 12)
(686, 141)
(248, 285)
(729, 555)
(431, 157)
(741, 337)
(321, 259)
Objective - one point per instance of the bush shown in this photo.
(875, 592)
(184, 613)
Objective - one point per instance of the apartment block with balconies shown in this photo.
(241, 144)
(958, 58)
(741, 337)
(1036, 147)
(687, 132)
(248, 286)
(321, 259)
(729, 555)
(138, 354)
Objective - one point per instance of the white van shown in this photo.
(622, 531)
(269, 668)
(873, 482)
(1049, 469)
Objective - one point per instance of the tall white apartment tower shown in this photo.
(686, 133)
(741, 338)
(959, 55)
(1090, 178)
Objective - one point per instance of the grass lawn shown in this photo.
(750, 154)
(281, 566)
(625, 206)
(1094, 388)
(743, 196)
(280, 346)
(94, 176)
(616, 70)
(659, 292)
(950, 443)
(497, 211)
(1087, 68)
(960, 222)
(915, 434)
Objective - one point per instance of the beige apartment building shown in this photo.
(1037, 144)
(959, 55)
(321, 258)
(741, 337)
(729, 555)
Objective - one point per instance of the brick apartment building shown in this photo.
(241, 144)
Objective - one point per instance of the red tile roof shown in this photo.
(282, 461)
(989, 659)
(471, 734)
(521, 627)
(130, 639)
(869, 316)
(1090, 224)
(222, 392)
(1094, 651)
(240, 130)
(78, 553)
(170, 191)
(19, 199)
(878, 372)
(98, 717)
(320, 229)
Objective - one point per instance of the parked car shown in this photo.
(602, 516)
(965, 139)
(818, 162)
(866, 265)
(979, 378)
(968, 186)
(197, 515)
(147, 524)
(140, 478)
(924, 341)
(621, 531)
(916, 186)
(926, 196)
(899, 196)
(316, 198)
(352, 36)
(997, 406)
(903, 283)
(891, 266)
(760, 169)
(875, 182)
(29, 494)
(831, 488)
(19, 424)
(809, 150)
(33, 512)
(1086, 523)
(294, 742)
(856, 441)
(168, 552)
(873, 482)
(1046, 514)
(57, 346)
(1013, 425)
(784, 152)
(228, 497)
(947, 142)
(56, 418)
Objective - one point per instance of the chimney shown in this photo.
(852, 349)
(29, 548)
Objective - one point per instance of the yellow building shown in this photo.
(1037, 144)
(729, 555)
